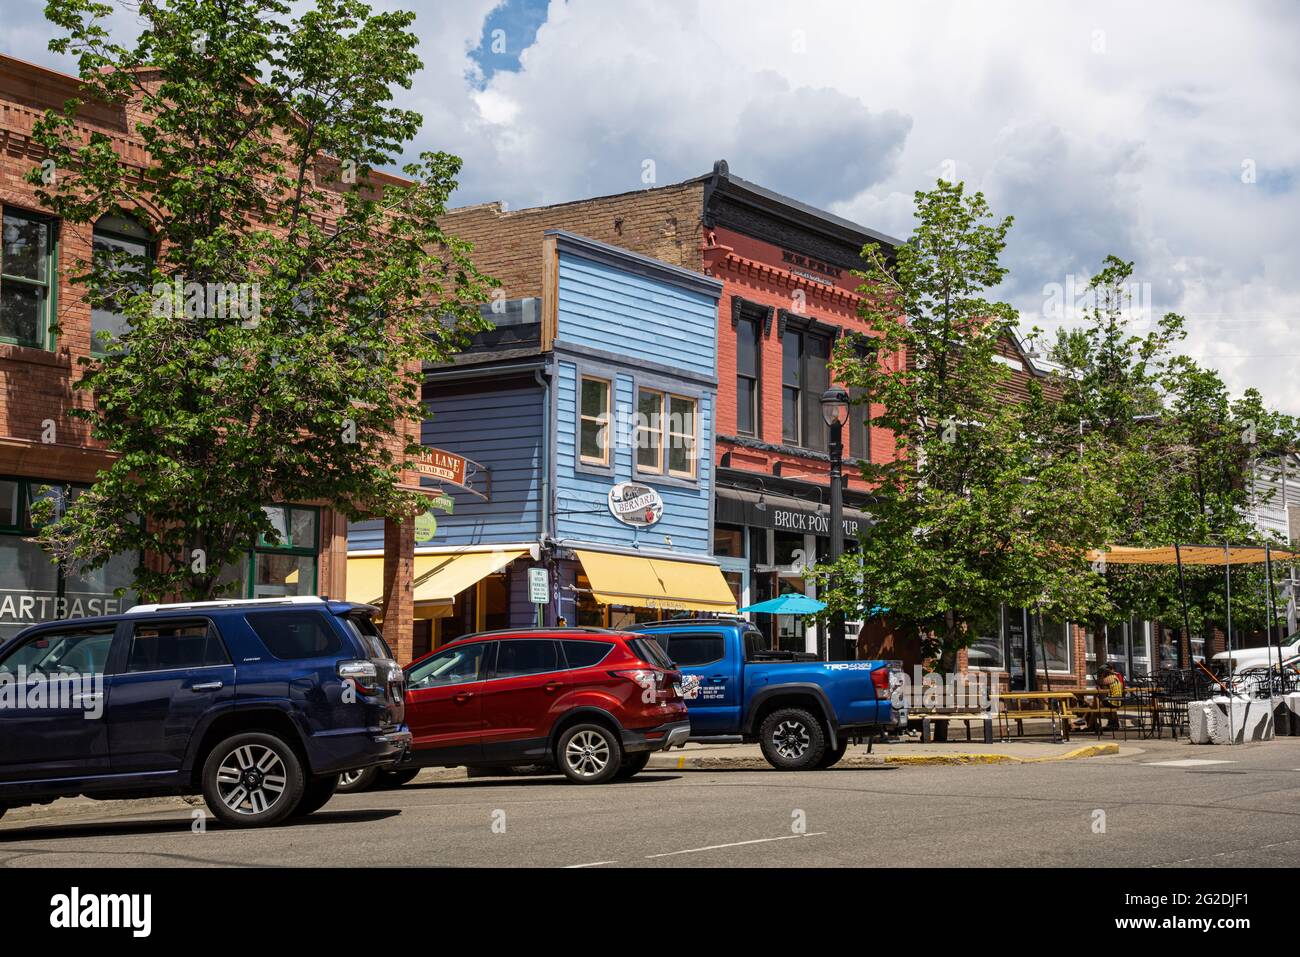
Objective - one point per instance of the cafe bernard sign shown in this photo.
(635, 504)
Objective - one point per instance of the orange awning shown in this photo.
(1190, 555)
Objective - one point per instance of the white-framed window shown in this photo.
(593, 420)
(666, 432)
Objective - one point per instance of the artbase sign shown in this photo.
(31, 607)
(635, 504)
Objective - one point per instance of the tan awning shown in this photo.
(438, 579)
(660, 583)
(1189, 554)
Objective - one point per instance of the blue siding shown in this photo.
(581, 497)
(607, 308)
(501, 429)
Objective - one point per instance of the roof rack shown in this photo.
(226, 603)
(586, 629)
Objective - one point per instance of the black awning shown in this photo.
(784, 513)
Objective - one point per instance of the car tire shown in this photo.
(395, 779)
(831, 756)
(633, 764)
(792, 740)
(316, 795)
(354, 782)
(589, 754)
(242, 774)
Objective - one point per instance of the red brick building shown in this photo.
(46, 326)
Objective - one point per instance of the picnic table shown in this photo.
(1055, 706)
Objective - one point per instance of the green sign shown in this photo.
(443, 502)
(426, 526)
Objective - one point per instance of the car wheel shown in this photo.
(351, 782)
(632, 764)
(831, 756)
(316, 795)
(792, 740)
(589, 754)
(395, 779)
(252, 780)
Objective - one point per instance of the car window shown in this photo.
(650, 649)
(451, 666)
(80, 651)
(289, 635)
(526, 656)
(585, 654)
(754, 643)
(163, 646)
(690, 650)
(365, 631)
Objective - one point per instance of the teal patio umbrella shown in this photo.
(791, 603)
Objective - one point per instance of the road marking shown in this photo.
(1186, 763)
(569, 867)
(718, 847)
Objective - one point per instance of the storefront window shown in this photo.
(1168, 648)
(590, 612)
(986, 649)
(789, 550)
(729, 541)
(32, 588)
(1052, 643)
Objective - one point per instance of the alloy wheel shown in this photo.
(349, 778)
(251, 779)
(587, 753)
(791, 739)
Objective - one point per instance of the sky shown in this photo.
(1167, 133)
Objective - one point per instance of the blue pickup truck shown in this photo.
(803, 712)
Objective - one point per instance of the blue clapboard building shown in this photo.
(587, 418)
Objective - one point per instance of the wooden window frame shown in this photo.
(603, 420)
(45, 337)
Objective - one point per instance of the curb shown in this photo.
(1088, 751)
(684, 763)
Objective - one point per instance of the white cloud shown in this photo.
(1101, 126)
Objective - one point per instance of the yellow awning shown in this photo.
(443, 577)
(661, 583)
(1189, 554)
(438, 578)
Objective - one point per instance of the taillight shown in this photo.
(880, 678)
(647, 679)
(361, 674)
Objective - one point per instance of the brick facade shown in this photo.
(38, 439)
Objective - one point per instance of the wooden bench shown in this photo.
(935, 723)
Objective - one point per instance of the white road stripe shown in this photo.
(1185, 763)
(718, 847)
(569, 867)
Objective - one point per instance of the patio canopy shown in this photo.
(1190, 555)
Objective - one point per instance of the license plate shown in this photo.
(688, 687)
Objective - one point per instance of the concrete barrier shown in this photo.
(1223, 720)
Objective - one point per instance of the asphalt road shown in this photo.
(1243, 812)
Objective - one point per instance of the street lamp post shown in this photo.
(835, 410)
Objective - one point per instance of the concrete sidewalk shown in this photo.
(713, 757)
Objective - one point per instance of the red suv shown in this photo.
(590, 702)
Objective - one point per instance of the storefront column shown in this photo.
(399, 600)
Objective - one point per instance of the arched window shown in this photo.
(123, 245)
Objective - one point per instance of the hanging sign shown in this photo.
(635, 504)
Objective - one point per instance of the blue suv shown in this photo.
(257, 705)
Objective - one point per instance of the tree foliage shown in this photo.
(263, 124)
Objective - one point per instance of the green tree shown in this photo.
(264, 124)
(1182, 453)
(973, 511)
